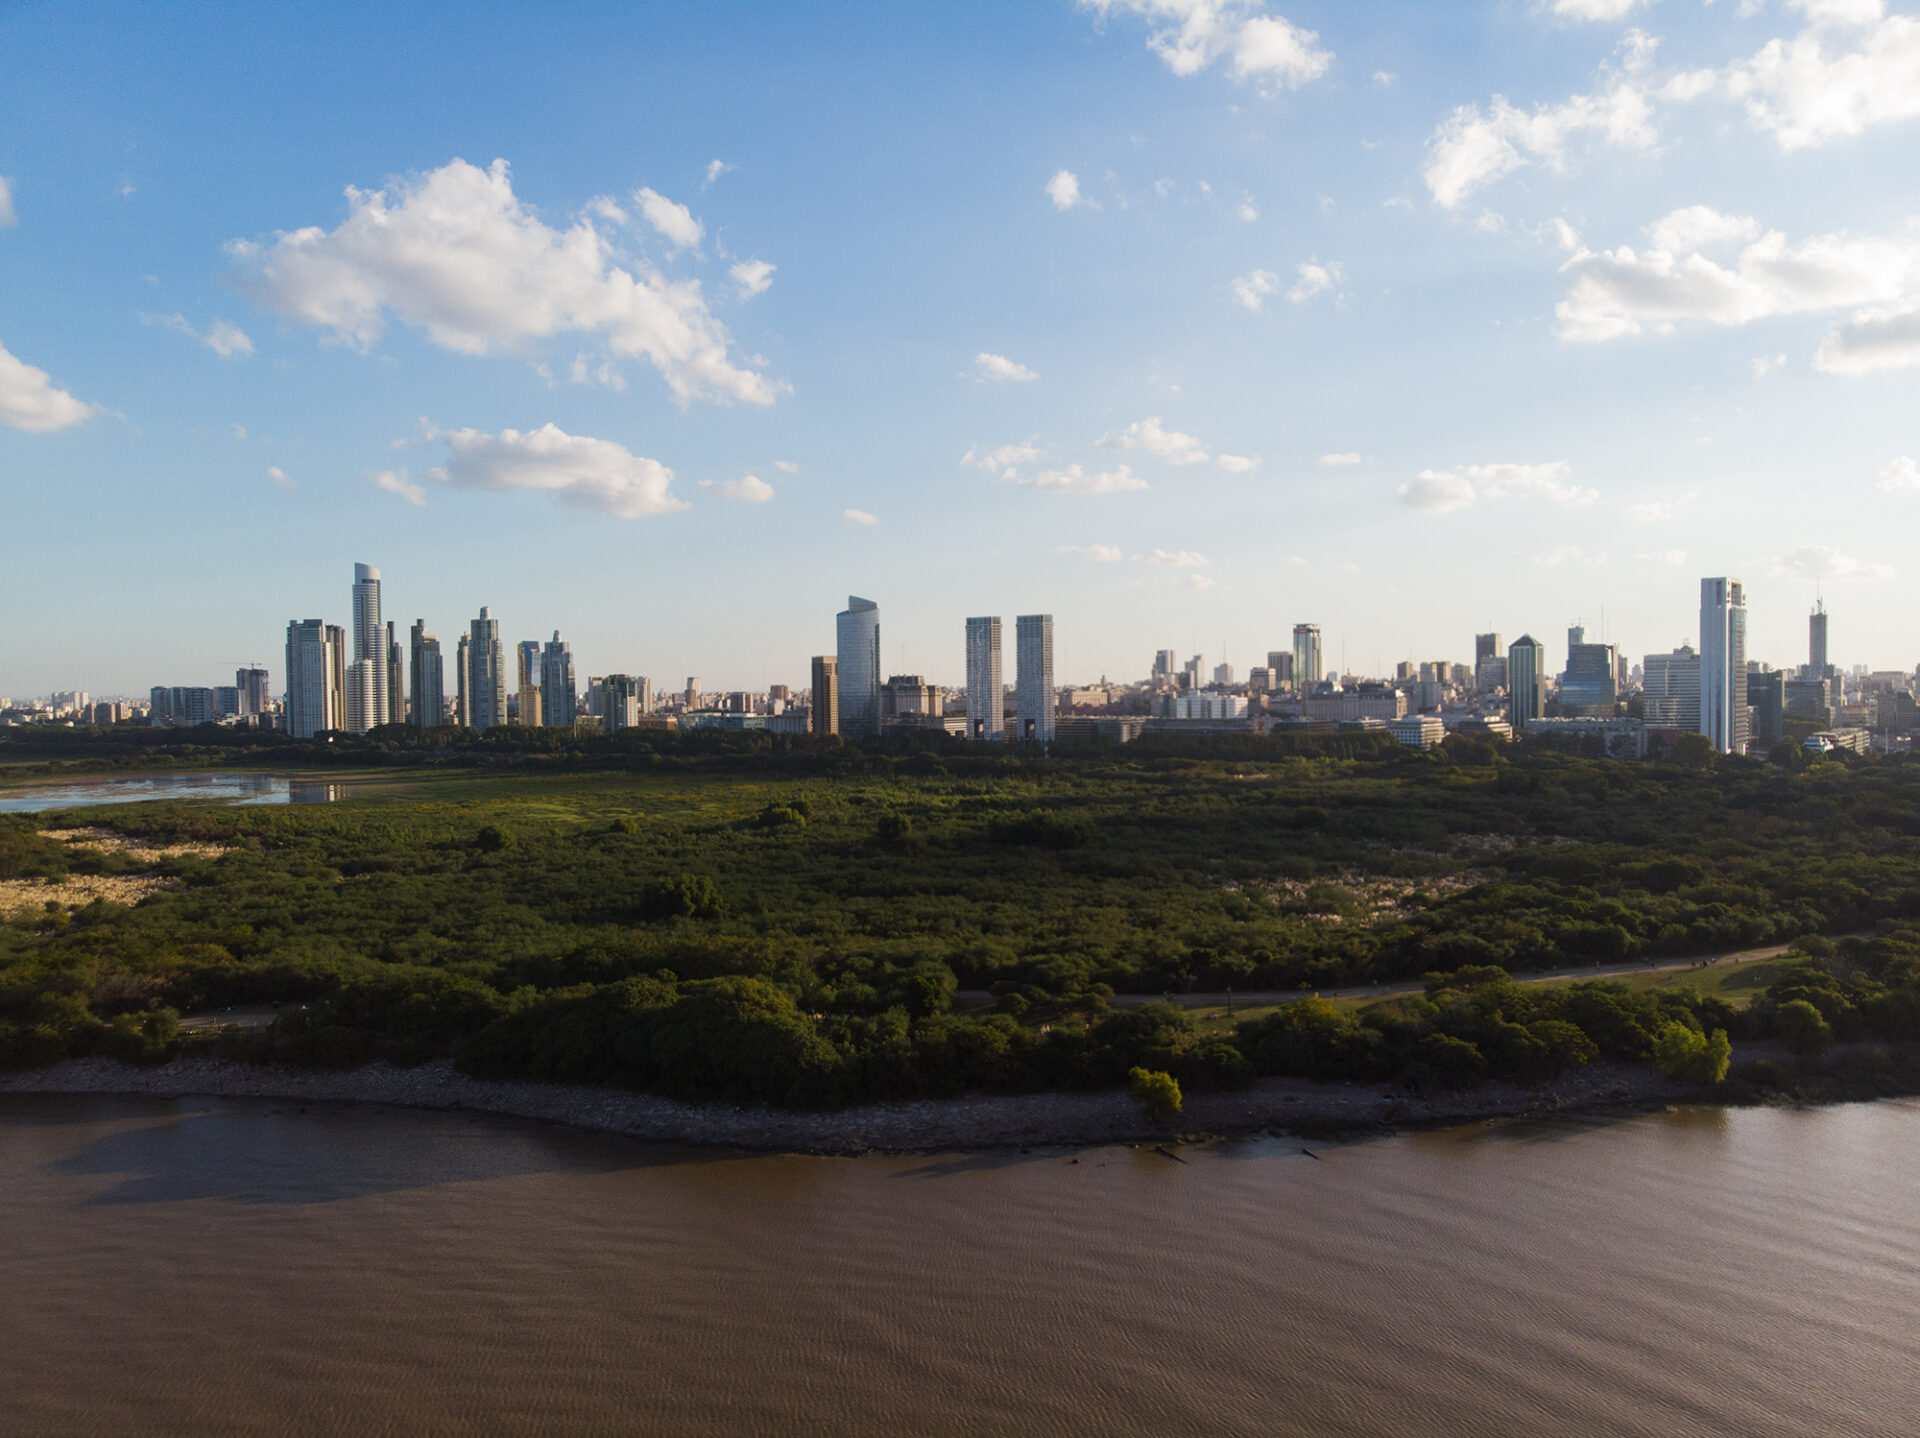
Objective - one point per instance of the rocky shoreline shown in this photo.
(942, 1125)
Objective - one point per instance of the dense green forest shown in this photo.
(791, 920)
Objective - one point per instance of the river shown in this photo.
(215, 787)
(246, 1267)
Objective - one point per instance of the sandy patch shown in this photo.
(108, 841)
(30, 896)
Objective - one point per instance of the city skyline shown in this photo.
(1433, 321)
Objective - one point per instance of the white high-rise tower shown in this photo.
(1033, 678)
(986, 691)
(1723, 664)
(369, 643)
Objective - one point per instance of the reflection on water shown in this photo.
(216, 788)
(227, 1267)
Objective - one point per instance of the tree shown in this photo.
(1802, 1028)
(1157, 1092)
(1691, 1056)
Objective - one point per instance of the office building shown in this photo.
(1223, 676)
(463, 676)
(309, 678)
(621, 702)
(1526, 681)
(1817, 640)
(1033, 678)
(1417, 731)
(527, 673)
(1767, 698)
(1164, 666)
(1723, 664)
(858, 650)
(558, 697)
(1280, 668)
(427, 679)
(396, 679)
(337, 675)
(824, 712)
(1670, 689)
(986, 691)
(486, 673)
(369, 636)
(1589, 688)
(252, 684)
(1306, 655)
(366, 690)
(908, 696)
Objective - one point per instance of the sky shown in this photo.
(670, 326)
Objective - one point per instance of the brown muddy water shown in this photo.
(241, 1267)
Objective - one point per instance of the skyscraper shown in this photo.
(487, 673)
(1306, 655)
(622, 701)
(336, 676)
(1670, 689)
(1526, 680)
(252, 684)
(986, 693)
(858, 633)
(1489, 664)
(824, 717)
(428, 679)
(1817, 640)
(369, 637)
(1033, 698)
(309, 678)
(366, 685)
(528, 673)
(1590, 686)
(462, 678)
(558, 697)
(1723, 664)
(396, 679)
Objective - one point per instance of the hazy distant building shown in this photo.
(1767, 699)
(1280, 668)
(486, 673)
(858, 633)
(252, 684)
(558, 697)
(427, 678)
(908, 696)
(1526, 681)
(1033, 678)
(986, 690)
(1223, 675)
(366, 691)
(369, 641)
(1306, 655)
(337, 675)
(396, 680)
(824, 715)
(527, 676)
(1817, 640)
(1670, 689)
(463, 676)
(1590, 686)
(1723, 664)
(621, 702)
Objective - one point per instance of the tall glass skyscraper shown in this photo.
(369, 635)
(428, 679)
(1033, 678)
(1526, 681)
(1723, 664)
(858, 632)
(487, 679)
(310, 665)
(1817, 641)
(1306, 655)
(986, 693)
(558, 696)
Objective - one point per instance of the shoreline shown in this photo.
(1048, 1120)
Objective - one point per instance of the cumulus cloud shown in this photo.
(715, 169)
(1064, 190)
(1436, 491)
(1190, 35)
(1075, 480)
(1852, 68)
(1252, 290)
(8, 219)
(1823, 562)
(1879, 337)
(1610, 293)
(280, 480)
(222, 337)
(1902, 476)
(1172, 559)
(998, 369)
(674, 222)
(1093, 553)
(1238, 463)
(454, 252)
(1472, 149)
(1004, 460)
(750, 488)
(1596, 9)
(1315, 279)
(1247, 210)
(30, 401)
(858, 516)
(1336, 460)
(1199, 581)
(786, 466)
(580, 471)
(1652, 511)
(395, 481)
(752, 277)
(1764, 365)
(1151, 437)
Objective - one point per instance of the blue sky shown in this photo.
(1181, 319)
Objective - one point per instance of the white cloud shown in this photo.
(1823, 562)
(395, 481)
(1315, 279)
(786, 466)
(1879, 337)
(1093, 553)
(1298, 560)
(715, 169)
(1383, 78)
(1764, 365)
(1652, 511)
(1193, 34)
(1471, 150)
(749, 488)
(1075, 480)
(1852, 68)
(456, 253)
(8, 219)
(1617, 292)
(1901, 477)
(858, 516)
(1252, 290)
(1596, 9)
(752, 276)
(239, 431)
(1701, 227)
(586, 473)
(1000, 370)
(1199, 581)
(1151, 437)
(1247, 210)
(1064, 190)
(280, 480)
(1238, 463)
(1004, 460)
(1436, 491)
(29, 400)
(222, 337)
(674, 222)
(1331, 460)
(1172, 559)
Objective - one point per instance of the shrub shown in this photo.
(1157, 1092)
(1692, 1057)
(493, 838)
(1802, 1028)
